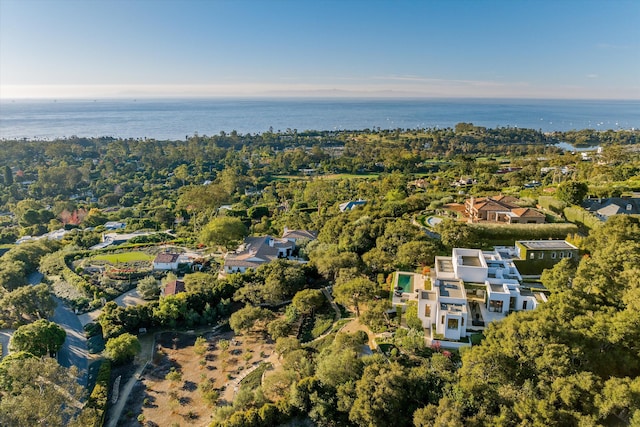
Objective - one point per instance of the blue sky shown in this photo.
(357, 48)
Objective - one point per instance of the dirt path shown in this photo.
(232, 387)
(337, 317)
(354, 326)
(147, 344)
(327, 294)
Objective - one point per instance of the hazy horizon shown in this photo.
(375, 49)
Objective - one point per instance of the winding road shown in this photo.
(74, 350)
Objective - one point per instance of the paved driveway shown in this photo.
(125, 300)
(74, 350)
(5, 336)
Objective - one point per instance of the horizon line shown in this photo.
(273, 97)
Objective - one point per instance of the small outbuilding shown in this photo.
(166, 262)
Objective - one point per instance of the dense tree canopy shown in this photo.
(572, 192)
(572, 361)
(223, 231)
(37, 391)
(122, 348)
(39, 338)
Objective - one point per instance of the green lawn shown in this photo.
(332, 176)
(350, 176)
(132, 256)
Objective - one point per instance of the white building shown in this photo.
(114, 225)
(166, 261)
(467, 290)
(256, 251)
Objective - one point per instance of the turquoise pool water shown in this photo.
(405, 281)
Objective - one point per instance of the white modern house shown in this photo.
(467, 290)
(351, 204)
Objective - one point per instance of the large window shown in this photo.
(452, 324)
(495, 306)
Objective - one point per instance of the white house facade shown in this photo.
(468, 290)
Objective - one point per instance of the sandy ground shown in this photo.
(164, 402)
(354, 326)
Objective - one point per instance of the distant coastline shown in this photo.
(177, 118)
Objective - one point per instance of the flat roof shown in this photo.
(450, 289)
(473, 261)
(450, 307)
(428, 295)
(546, 244)
(445, 265)
(497, 288)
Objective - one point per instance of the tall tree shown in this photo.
(30, 301)
(148, 288)
(456, 234)
(39, 338)
(224, 231)
(572, 192)
(8, 176)
(122, 348)
(354, 291)
(246, 319)
(308, 300)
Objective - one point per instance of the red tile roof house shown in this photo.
(166, 262)
(501, 209)
(173, 288)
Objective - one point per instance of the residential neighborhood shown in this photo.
(274, 296)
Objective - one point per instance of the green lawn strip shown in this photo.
(116, 258)
(476, 338)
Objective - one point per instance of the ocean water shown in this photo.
(176, 119)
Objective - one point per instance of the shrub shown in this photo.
(122, 348)
(173, 375)
(95, 410)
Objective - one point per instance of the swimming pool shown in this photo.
(405, 281)
(433, 221)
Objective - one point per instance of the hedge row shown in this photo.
(76, 280)
(552, 204)
(507, 234)
(95, 411)
(580, 216)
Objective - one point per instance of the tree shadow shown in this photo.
(189, 386)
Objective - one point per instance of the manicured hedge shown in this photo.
(552, 204)
(95, 410)
(580, 216)
(507, 234)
